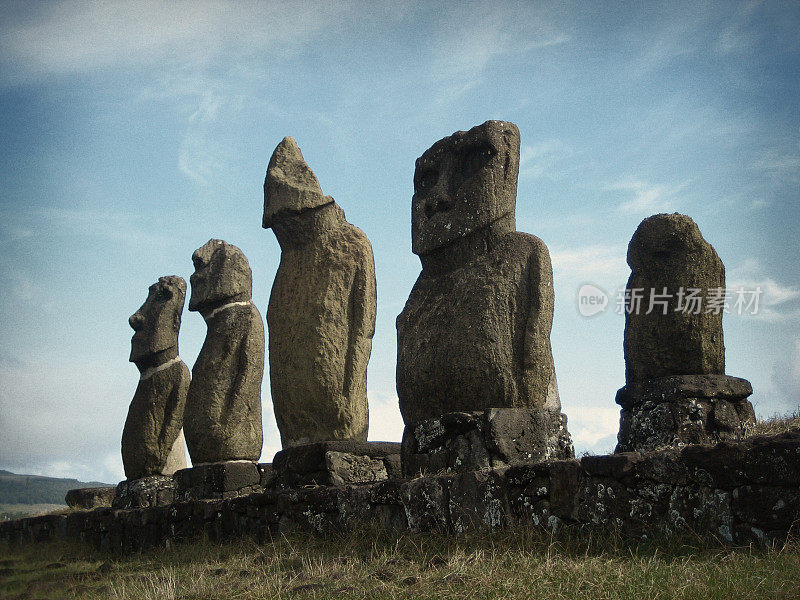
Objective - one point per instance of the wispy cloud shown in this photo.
(460, 56)
(777, 302)
(779, 165)
(594, 428)
(198, 158)
(83, 36)
(596, 263)
(648, 198)
(547, 158)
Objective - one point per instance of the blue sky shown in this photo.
(133, 132)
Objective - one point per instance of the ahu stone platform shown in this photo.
(739, 492)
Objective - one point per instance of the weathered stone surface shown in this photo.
(683, 409)
(221, 480)
(736, 492)
(152, 443)
(321, 313)
(681, 387)
(290, 185)
(475, 332)
(477, 501)
(89, 498)
(222, 421)
(155, 490)
(667, 255)
(498, 437)
(339, 462)
(676, 392)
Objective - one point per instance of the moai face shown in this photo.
(664, 240)
(221, 273)
(157, 322)
(463, 183)
(290, 186)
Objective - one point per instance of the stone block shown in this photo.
(683, 409)
(89, 498)
(227, 479)
(337, 463)
(493, 438)
(155, 490)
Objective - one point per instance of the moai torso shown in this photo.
(223, 408)
(152, 443)
(475, 332)
(680, 336)
(321, 313)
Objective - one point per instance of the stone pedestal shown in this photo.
(683, 409)
(496, 437)
(220, 480)
(339, 462)
(154, 490)
(89, 498)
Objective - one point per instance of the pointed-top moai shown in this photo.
(321, 315)
(676, 389)
(223, 408)
(475, 332)
(152, 441)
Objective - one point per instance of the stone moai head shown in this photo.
(221, 274)
(464, 183)
(665, 241)
(290, 186)
(157, 322)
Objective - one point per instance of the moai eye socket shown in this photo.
(197, 263)
(476, 157)
(427, 178)
(163, 293)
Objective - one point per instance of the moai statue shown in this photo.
(321, 315)
(671, 263)
(475, 332)
(152, 440)
(223, 408)
(676, 389)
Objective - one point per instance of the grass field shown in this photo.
(17, 511)
(370, 564)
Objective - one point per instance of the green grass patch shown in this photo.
(378, 564)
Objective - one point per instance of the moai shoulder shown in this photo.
(321, 315)
(152, 442)
(223, 407)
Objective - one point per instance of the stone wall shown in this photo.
(738, 492)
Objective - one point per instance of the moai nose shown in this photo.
(136, 321)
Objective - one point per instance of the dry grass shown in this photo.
(777, 424)
(376, 564)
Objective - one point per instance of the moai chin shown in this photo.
(222, 421)
(152, 440)
(321, 315)
(676, 389)
(475, 332)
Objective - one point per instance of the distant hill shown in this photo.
(34, 489)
